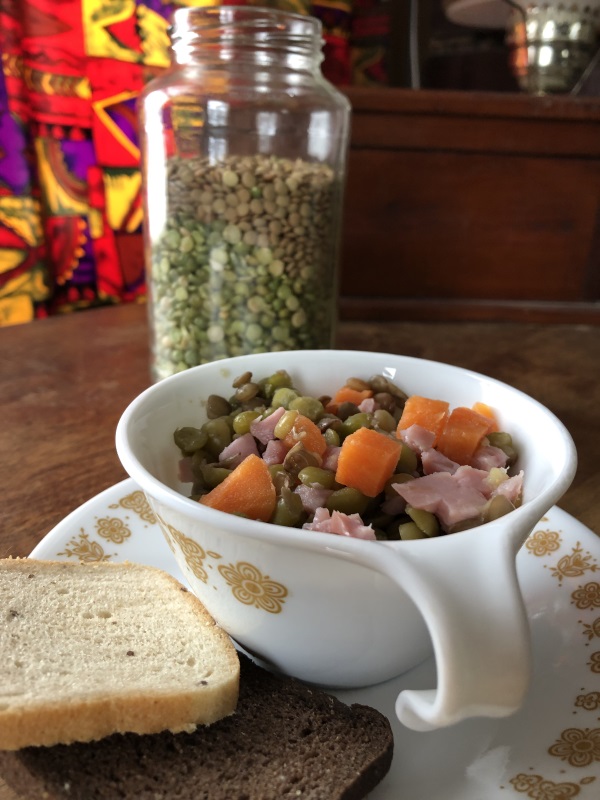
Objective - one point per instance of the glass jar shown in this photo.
(244, 147)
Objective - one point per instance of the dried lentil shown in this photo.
(223, 287)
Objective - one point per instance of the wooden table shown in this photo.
(65, 381)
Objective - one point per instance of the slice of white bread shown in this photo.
(91, 650)
(285, 741)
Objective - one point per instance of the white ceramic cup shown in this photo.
(343, 612)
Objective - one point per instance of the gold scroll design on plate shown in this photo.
(592, 631)
(589, 701)
(587, 597)
(250, 587)
(136, 501)
(574, 564)
(84, 549)
(539, 788)
(580, 747)
(196, 557)
(194, 554)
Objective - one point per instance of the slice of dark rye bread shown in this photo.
(286, 740)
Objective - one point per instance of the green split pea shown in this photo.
(245, 260)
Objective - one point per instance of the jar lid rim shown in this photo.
(241, 14)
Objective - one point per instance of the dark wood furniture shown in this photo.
(467, 205)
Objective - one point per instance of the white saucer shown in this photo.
(550, 750)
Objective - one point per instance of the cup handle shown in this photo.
(480, 639)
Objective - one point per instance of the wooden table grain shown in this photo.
(65, 381)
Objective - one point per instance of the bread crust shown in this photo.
(286, 740)
(93, 709)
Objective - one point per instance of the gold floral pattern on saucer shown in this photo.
(579, 747)
(587, 596)
(589, 701)
(115, 529)
(574, 564)
(550, 750)
(537, 788)
(542, 542)
(84, 549)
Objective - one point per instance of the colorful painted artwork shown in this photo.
(70, 184)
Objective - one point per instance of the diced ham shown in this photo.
(434, 461)
(264, 429)
(275, 452)
(330, 458)
(418, 438)
(313, 497)
(368, 405)
(342, 524)
(452, 499)
(185, 473)
(238, 450)
(478, 479)
(511, 488)
(487, 456)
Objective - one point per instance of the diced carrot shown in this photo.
(304, 430)
(487, 411)
(248, 490)
(366, 460)
(429, 414)
(463, 433)
(346, 394)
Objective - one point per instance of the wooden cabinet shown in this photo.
(467, 205)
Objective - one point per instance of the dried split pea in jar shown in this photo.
(244, 261)
(244, 151)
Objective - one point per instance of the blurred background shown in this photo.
(70, 207)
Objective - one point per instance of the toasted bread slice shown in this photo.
(91, 650)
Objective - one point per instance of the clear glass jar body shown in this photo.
(244, 149)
